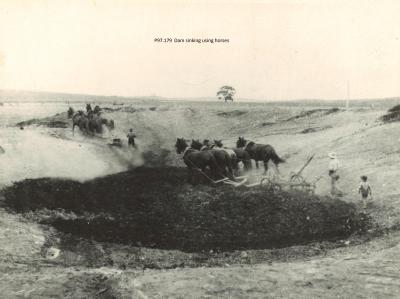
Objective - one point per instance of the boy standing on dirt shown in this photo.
(364, 189)
(131, 138)
(333, 173)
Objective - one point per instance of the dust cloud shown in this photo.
(33, 154)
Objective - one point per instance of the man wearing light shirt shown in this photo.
(333, 172)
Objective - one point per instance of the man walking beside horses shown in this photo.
(333, 168)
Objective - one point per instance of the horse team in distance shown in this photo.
(222, 161)
(91, 122)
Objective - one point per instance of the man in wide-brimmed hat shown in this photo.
(333, 168)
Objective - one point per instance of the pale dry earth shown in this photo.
(356, 270)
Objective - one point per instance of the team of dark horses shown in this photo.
(222, 161)
(91, 122)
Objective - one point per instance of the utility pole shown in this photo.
(348, 96)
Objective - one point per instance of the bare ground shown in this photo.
(364, 267)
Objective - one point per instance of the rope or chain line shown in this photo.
(196, 167)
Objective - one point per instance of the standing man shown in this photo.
(365, 190)
(333, 168)
(131, 138)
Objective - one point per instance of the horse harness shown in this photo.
(247, 144)
(187, 149)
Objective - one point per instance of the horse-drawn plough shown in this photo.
(295, 182)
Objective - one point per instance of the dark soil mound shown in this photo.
(265, 124)
(314, 112)
(233, 113)
(153, 207)
(392, 115)
(308, 130)
(128, 109)
(315, 129)
(59, 120)
(394, 109)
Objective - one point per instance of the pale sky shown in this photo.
(278, 49)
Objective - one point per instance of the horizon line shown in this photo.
(194, 98)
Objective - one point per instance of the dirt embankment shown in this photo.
(153, 207)
(393, 114)
(60, 120)
(313, 112)
(114, 221)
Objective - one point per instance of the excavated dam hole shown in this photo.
(156, 208)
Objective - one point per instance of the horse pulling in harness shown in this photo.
(219, 163)
(199, 156)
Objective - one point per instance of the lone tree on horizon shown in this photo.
(226, 92)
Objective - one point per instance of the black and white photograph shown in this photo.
(199, 149)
